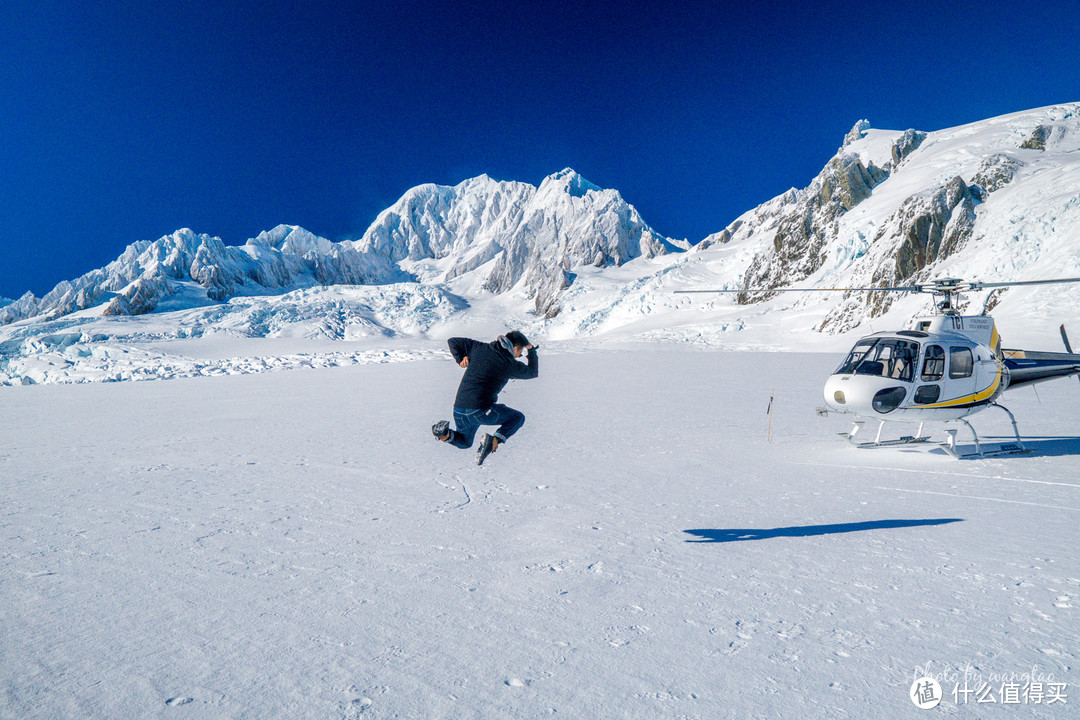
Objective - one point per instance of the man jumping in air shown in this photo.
(488, 367)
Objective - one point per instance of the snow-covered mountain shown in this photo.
(997, 199)
(505, 234)
(149, 272)
(994, 200)
(512, 235)
(566, 260)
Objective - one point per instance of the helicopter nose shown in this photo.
(862, 394)
(836, 393)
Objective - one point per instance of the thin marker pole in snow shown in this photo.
(772, 392)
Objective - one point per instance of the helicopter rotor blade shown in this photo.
(940, 287)
(981, 285)
(911, 288)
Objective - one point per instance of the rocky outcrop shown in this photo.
(798, 247)
(908, 143)
(1046, 136)
(1037, 139)
(927, 227)
(995, 172)
(550, 284)
(721, 238)
(857, 132)
(931, 225)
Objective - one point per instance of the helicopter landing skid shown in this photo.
(1009, 448)
(877, 441)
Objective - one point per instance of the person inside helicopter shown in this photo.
(884, 357)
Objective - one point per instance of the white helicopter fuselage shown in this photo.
(943, 368)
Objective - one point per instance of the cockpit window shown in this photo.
(885, 357)
(933, 367)
(855, 357)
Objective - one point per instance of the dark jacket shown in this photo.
(491, 366)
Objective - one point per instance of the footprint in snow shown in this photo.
(356, 707)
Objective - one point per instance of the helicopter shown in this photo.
(942, 367)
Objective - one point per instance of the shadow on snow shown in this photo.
(811, 530)
(1048, 445)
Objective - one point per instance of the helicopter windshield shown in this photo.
(883, 357)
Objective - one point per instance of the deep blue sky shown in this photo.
(124, 121)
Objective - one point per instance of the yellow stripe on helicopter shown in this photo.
(978, 397)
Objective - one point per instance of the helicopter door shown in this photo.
(961, 383)
(933, 372)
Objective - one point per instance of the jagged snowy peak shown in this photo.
(24, 307)
(512, 233)
(147, 272)
(438, 222)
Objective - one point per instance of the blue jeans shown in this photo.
(469, 421)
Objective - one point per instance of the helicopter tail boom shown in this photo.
(1027, 367)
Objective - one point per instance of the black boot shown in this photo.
(441, 430)
(488, 445)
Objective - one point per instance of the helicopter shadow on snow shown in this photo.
(1039, 446)
(797, 531)
(1045, 445)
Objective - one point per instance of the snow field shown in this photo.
(297, 545)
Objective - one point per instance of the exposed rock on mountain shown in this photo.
(798, 246)
(1046, 135)
(908, 143)
(140, 297)
(925, 228)
(1037, 139)
(995, 172)
(857, 132)
(930, 226)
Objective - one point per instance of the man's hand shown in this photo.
(464, 362)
